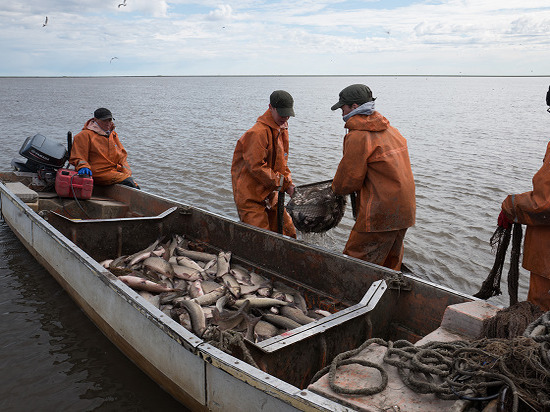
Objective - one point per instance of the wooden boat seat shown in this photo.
(29, 196)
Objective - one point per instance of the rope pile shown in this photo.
(474, 370)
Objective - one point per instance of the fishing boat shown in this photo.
(71, 236)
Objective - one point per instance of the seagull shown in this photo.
(122, 4)
(45, 22)
(112, 58)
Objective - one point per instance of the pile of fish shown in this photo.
(202, 290)
(315, 208)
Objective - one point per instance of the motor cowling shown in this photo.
(39, 150)
(44, 157)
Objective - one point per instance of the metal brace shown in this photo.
(398, 282)
(184, 210)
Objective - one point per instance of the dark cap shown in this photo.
(356, 93)
(283, 102)
(103, 113)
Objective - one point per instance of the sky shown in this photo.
(280, 37)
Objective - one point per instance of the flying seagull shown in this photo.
(112, 58)
(45, 22)
(122, 4)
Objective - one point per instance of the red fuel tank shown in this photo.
(68, 183)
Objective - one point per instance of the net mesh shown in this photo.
(316, 208)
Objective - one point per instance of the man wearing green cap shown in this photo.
(259, 169)
(376, 170)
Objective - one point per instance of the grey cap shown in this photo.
(283, 102)
(102, 113)
(356, 93)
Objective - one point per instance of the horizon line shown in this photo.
(279, 75)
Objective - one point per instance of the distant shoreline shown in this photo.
(272, 75)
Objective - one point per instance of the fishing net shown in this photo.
(316, 208)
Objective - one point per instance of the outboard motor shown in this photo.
(44, 157)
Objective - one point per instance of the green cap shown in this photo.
(356, 93)
(283, 102)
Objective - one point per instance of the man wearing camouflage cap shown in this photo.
(259, 169)
(375, 170)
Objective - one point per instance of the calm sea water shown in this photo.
(472, 141)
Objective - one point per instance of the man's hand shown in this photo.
(504, 221)
(290, 190)
(84, 171)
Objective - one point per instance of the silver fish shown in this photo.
(195, 289)
(185, 261)
(148, 249)
(159, 265)
(195, 255)
(261, 302)
(281, 321)
(264, 330)
(211, 297)
(259, 280)
(138, 283)
(151, 298)
(232, 285)
(242, 277)
(186, 273)
(221, 302)
(209, 286)
(223, 263)
(198, 321)
(296, 315)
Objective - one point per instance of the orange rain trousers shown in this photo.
(382, 248)
(259, 161)
(533, 209)
(103, 155)
(539, 291)
(376, 166)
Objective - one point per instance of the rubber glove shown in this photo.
(84, 171)
(503, 220)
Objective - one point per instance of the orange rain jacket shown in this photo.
(259, 161)
(103, 155)
(533, 209)
(376, 165)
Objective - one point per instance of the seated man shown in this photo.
(97, 152)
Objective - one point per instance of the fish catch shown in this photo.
(204, 291)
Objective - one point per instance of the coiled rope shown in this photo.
(461, 369)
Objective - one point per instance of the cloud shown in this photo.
(270, 37)
(223, 12)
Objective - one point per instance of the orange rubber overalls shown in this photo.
(533, 210)
(259, 161)
(376, 166)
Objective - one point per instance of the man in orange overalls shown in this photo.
(98, 152)
(376, 167)
(533, 210)
(260, 164)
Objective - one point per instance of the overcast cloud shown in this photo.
(186, 37)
